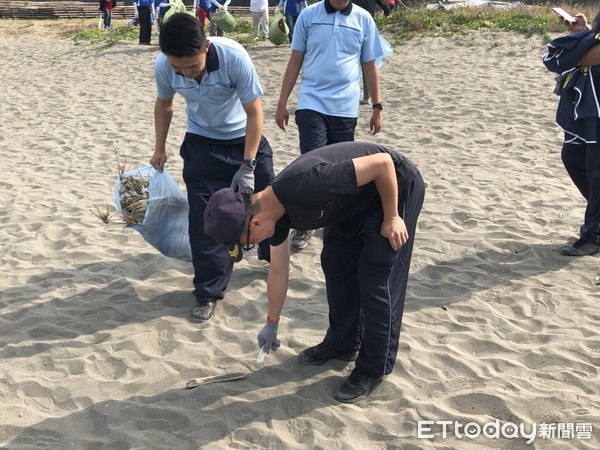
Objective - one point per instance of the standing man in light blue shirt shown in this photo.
(223, 144)
(332, 41)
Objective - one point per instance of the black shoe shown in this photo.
(320, 354)
(580, 248)
(357, 386)
(203, 311)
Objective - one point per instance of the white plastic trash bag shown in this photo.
(387, 51)
(165, 224)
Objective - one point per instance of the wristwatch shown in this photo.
(378, 106)
(250, 162)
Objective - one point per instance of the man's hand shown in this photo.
(376, 121)
(243, 180)
(282, 117)
(267, 338)
(394, 229)
(158, 160)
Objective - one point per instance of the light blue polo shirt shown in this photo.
(334, 45)
(214, 106)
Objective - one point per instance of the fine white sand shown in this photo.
(96, 343)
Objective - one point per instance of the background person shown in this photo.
(578, 114)
(107, 6)
(161, 8)
(291, 10)
(144, 9)
(259, 9)
(203, 11)
(214, 30)
(332, 41)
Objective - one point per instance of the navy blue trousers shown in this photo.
(208, 167)
(316, 130)
(582, 162)
(366, 284)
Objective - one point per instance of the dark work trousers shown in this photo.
(145, 27)
(582, 162)
(366, 284)
(317, 130)
(209, 165)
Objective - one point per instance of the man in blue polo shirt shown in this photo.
(332, 40)
(223, 144)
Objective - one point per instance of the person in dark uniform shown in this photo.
(223, 144)
(576, 58)
(144, 9)
(368, 199)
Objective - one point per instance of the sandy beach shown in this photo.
(96, 342)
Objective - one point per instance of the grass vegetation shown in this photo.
(107, 38)
(407, 22)
(403, 24)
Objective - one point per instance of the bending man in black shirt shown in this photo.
(367, 198)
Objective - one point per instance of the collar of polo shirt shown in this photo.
(330, 9)
(212, 60)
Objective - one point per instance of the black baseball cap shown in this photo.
(224, 219)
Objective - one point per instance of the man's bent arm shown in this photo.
(278, 279)
(379, 168)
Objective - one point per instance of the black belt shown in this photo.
(191, 137)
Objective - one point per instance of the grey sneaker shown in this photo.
(580, 248)
(300, 238)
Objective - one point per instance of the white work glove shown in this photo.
(277, 10)
(267, 338)
(243, 180)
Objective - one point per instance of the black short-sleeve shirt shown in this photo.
(319, 188)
